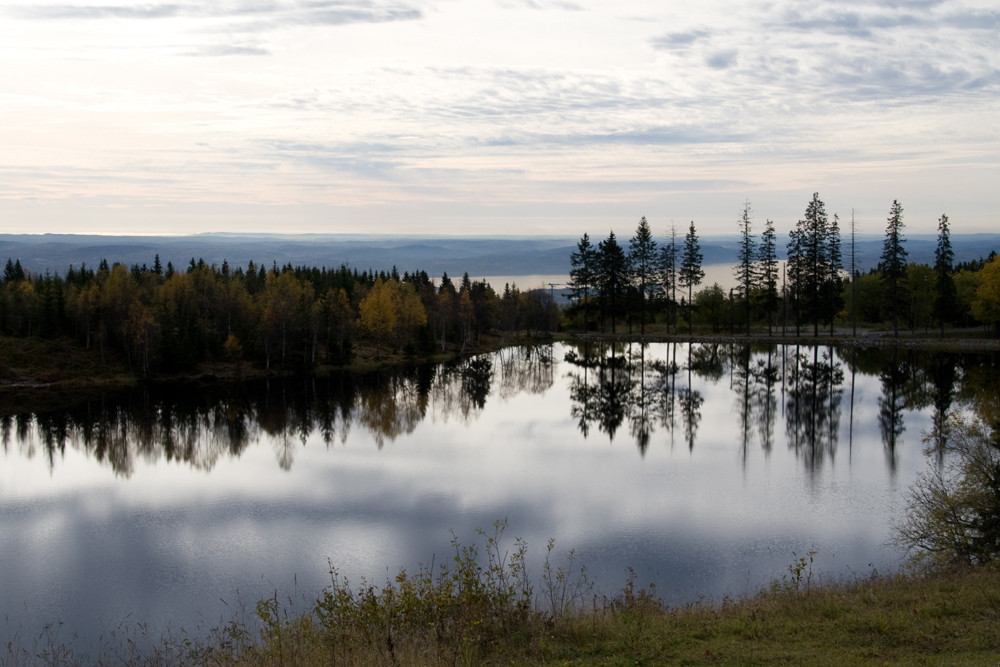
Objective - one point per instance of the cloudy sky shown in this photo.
(494, 116)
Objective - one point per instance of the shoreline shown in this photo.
(864, 340)
(53, 367)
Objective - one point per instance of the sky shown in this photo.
(495, 117)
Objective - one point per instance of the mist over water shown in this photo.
(703, 468)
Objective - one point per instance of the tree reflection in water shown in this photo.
(198, 426)
(942, 373)
(615, 382)
(812, 408)
(890, 406)
(649, 388)
(753, 383)
(612, 383)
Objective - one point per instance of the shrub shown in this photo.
(953, 510)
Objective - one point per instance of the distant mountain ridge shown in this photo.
(479, 256)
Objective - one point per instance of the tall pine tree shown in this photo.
(613, 277)
(892, 266)
(642, 267)
(947, 296)
(746, 279)
(690, 273)
(583, 274)
(767, 271)
(833, 289)
(811, 266)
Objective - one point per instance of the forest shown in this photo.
(160, 319)
(817, 286)
(163, 319)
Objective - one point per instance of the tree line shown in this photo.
(818, 285)
(158, 318)
(162, 319)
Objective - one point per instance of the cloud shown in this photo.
(520, 87)
(653, 136)
(358, 159)
(676, 41)
(974, 20)
(222, 50)
(540, 4)
(908, 4)
(848, 52)
(337, 15)
(96, 12)
(854, 24)
(722, 59)
(254, 17)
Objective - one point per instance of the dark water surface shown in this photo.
(701, 468)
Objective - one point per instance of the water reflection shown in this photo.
(702, 466)
(754, 383)
(614, 383)
(891, 404)
(612, 387)
(814, 390)
(198, 427)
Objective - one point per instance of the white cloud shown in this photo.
(632, 108)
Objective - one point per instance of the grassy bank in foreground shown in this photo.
(947, 619)
(938, 619)
(482, 613)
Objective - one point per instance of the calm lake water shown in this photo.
(705, 469)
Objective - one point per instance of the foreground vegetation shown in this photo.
(484, 611)
(941, 619)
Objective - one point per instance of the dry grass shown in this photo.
(940, 619)
(481, 610)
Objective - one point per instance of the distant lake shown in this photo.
(704, 468)
(714, 273)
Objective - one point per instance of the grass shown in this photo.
(940, 619)
(482, 609)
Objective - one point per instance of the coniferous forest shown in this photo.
(818, 287)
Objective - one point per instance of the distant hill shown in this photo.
(479, 256)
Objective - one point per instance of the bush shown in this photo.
(953, 510)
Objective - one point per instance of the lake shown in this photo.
(703, 469)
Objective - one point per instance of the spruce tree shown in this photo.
(746, 279)
(767, 271)
(892, 266)
(795, 269)
(691, 272)
(834, 299)
(947, 296)
(10, 273)
(642, 266)
(583, 274)
(613, 276)
(810, 265)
